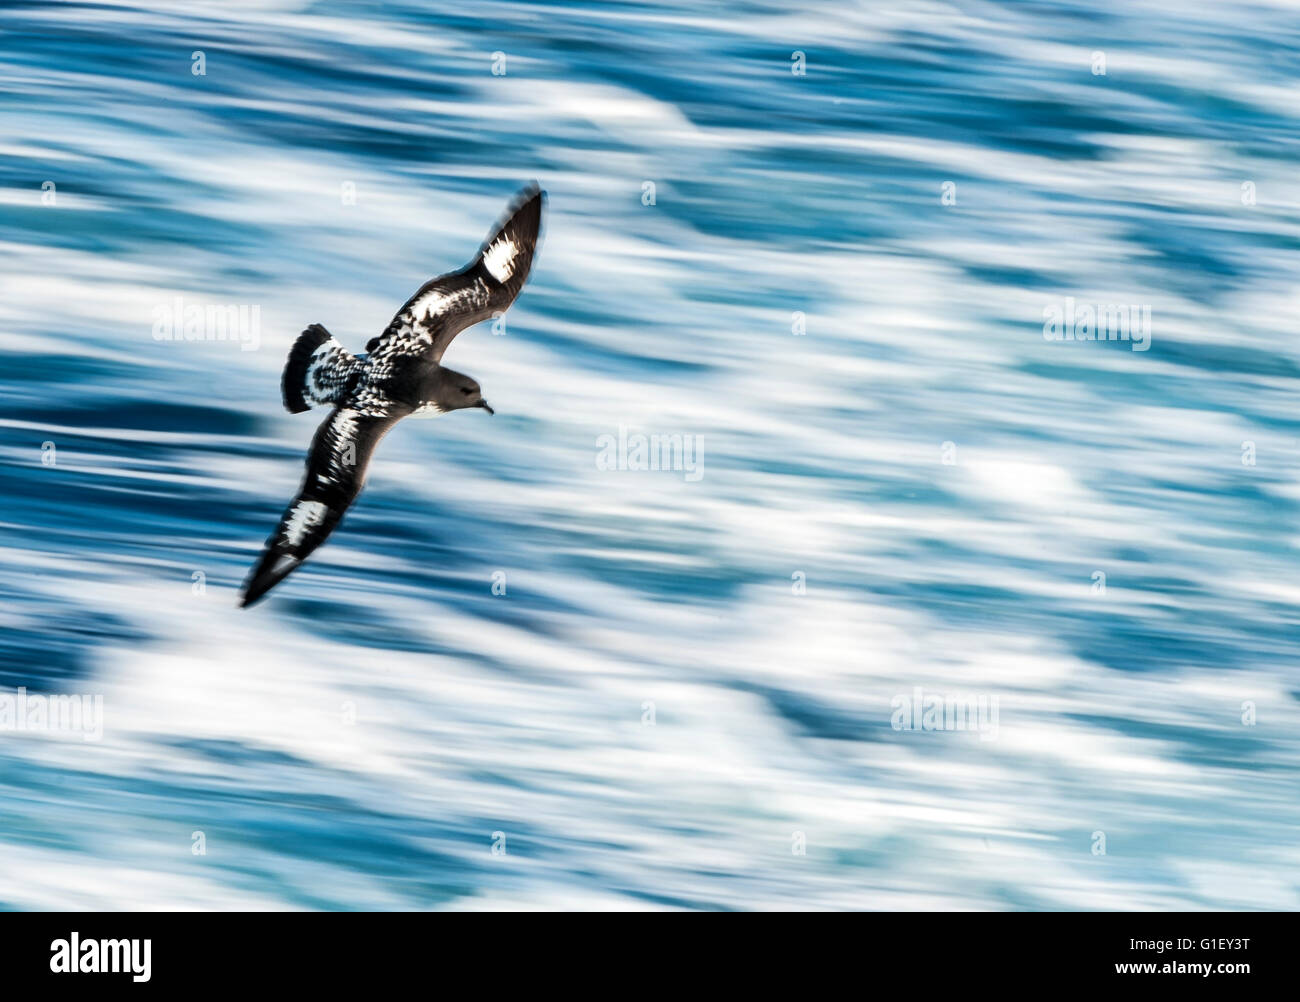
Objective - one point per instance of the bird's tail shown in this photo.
(319, 370)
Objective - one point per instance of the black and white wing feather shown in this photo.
(445, 306)
(336, 469)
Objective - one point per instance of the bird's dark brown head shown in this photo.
(453, 391)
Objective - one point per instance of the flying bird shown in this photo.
(400, 374)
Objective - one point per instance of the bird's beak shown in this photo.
(486, 407)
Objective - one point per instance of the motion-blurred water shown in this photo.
(1102, 540)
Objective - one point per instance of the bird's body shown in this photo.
(400, 375)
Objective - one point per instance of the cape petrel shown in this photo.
(400, 374)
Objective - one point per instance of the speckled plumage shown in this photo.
(400, 374)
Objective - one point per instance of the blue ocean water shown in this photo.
(822, 246)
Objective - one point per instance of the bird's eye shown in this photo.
(466, 390)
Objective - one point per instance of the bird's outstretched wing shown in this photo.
(445, 306)
(336, 469)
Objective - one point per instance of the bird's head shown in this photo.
(457, 391)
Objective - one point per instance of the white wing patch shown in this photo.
(418, 318)
(427, 306)
(345, 424)
(306, 515)
(499, 259)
